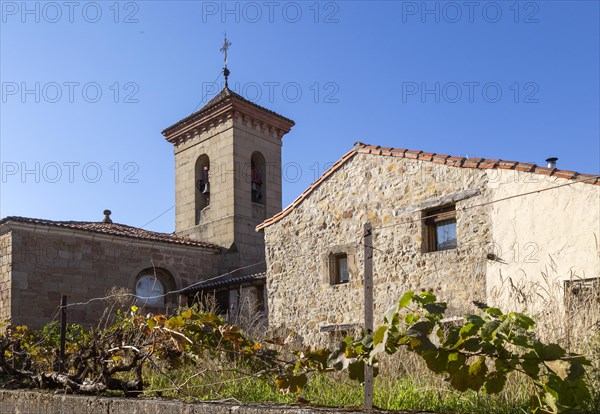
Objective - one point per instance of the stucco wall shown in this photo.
(391, 193)
(5, 275)
(48, 263)
(541, 238)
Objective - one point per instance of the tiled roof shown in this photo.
(113, 229)
(224, 281)
(223, 97)
(479, 163)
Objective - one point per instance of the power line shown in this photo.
(206, 94)
(159, 216)
(195, 109)
(492, 201)
(164, 294)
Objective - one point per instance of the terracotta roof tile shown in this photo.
(472, 162)
(544, 170)
(412, 154)
(426, 156)
(479, 163)
(440, 159)
(524, 166)
(112, 229)
(455, 161)
(565, 174)
(507, 165)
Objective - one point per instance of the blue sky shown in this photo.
(87, 88)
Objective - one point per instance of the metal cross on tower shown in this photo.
(224, 49)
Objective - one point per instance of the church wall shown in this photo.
(391, 193)
(48, 263)
(248, 139)
(217, 218)
(5, 275)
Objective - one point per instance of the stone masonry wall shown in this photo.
(231, 215)
(5, 275)
(31, 402)
(392, 194)
(48, 263)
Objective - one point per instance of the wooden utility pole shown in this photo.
(63, 333)
(368, 252)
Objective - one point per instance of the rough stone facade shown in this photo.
(5, 271)
(394, 194)
(44, 263)
(32, 402)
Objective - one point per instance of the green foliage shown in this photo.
(474, 357)
(114, 358)
(481, 353)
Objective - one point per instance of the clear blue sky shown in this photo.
(361, 69)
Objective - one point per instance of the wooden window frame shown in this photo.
(434, 218)
(334, 268)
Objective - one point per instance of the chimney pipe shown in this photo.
(551, 162)
(107, 219)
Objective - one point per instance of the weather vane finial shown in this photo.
(224, 49)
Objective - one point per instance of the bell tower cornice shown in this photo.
(225, 106)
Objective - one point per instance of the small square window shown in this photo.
(338, 268)
(440, 229)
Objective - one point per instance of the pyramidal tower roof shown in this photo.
(226, 104)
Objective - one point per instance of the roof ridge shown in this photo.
(114, 229)
(417, 155)
(480, 163)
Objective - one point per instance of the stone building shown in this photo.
(227, 181)
(466, 229)
(41, 260)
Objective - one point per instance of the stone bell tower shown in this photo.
(228, 173)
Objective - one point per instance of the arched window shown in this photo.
(258, 178)
(202, 183)
(152, 286)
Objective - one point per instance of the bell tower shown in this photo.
(228, 173)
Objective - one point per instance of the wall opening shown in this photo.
(258, 178)
(202, 183)
(152, 287)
